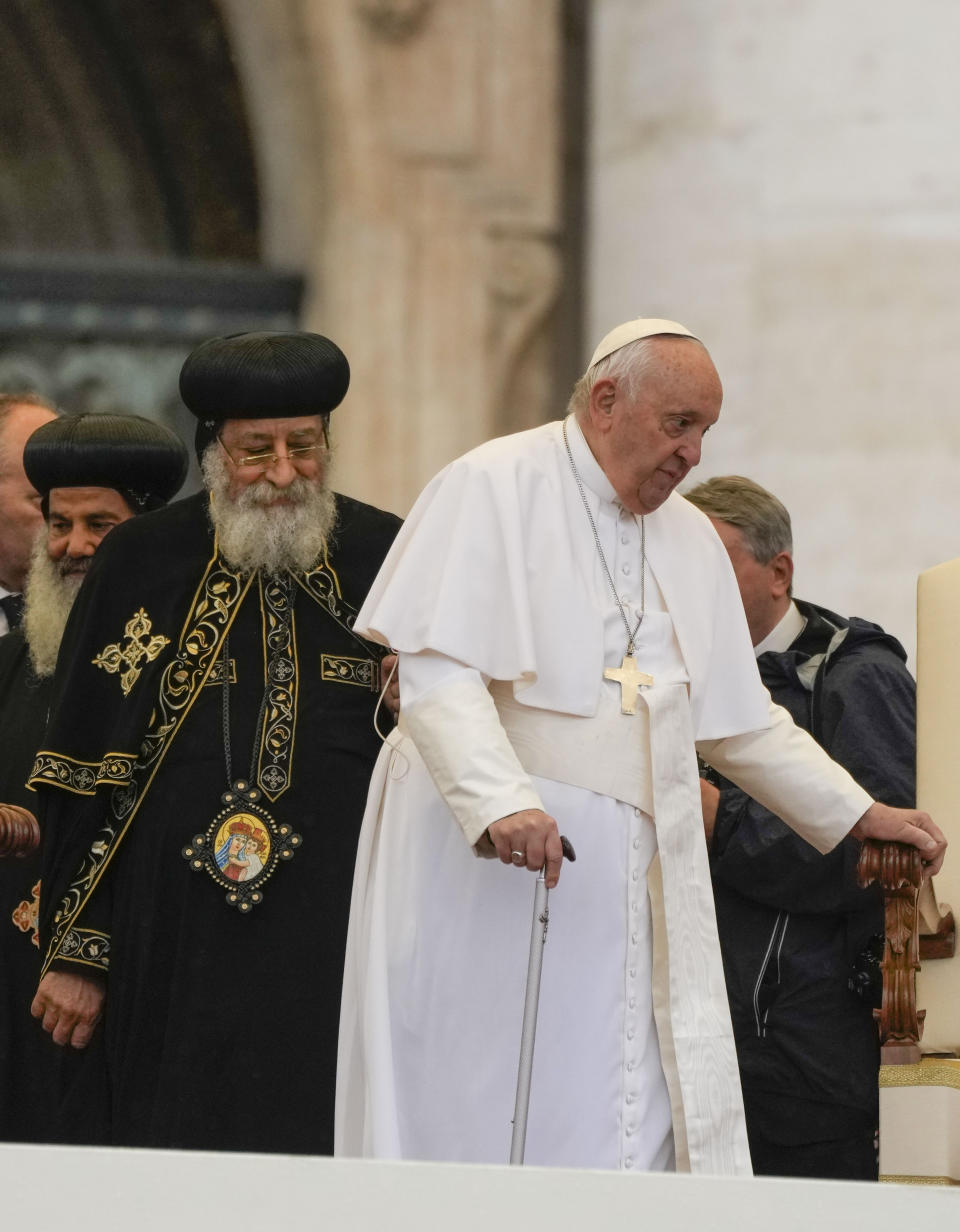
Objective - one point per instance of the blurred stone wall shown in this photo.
(783, 178)
(394, 173)
(410, 155)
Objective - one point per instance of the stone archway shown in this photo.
(404, 157)
(129, 216)
(123, 131)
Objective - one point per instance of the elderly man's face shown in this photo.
(648, 444)
(764, 588)
(297, 446)
(77, 520)
(270, 504)
(20, 516)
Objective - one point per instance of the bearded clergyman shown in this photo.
(203, 779)
(92, 473)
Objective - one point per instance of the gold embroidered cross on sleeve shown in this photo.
(139, 645)
(345, 669)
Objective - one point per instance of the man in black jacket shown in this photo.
(799, 938)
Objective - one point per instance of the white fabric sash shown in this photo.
(648, 760)
(696, 1030)
(608, 754)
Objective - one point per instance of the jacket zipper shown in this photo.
(774, 946)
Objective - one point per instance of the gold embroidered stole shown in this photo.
(212, 611)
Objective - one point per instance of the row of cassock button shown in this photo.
(630, 1093)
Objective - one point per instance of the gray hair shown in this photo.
(8, 405)
(755, 512)
(628, 366)
(10, 401)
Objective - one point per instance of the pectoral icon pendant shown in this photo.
(629, 678)
(242, 846)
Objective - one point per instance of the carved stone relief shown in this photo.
(403, 156)
(440, 261)
(394, 20)
(523, 282)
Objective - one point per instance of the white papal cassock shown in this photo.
(494, 595)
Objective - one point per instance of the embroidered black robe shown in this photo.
(222, 957)
(29, 1062)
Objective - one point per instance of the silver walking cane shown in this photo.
(528, 1034)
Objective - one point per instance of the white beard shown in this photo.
(255, 534)
(47, 601)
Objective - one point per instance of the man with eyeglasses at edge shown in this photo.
(214, 705)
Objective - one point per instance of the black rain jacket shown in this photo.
(794, 926)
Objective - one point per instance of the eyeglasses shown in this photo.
(293, 454)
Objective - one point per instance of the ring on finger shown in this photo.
(518, 857)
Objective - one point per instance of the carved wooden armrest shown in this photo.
(19, 832)
(899, 871)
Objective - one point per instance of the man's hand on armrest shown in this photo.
(893, 825)
(69, 1006)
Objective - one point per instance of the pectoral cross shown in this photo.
(630, 680)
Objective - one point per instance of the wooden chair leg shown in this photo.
(899, 871)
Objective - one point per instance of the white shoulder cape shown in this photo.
(496, 567)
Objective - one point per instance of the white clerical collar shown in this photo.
(590, 470)
(783, 634)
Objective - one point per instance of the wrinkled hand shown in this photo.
(391, 697)
(894, 825)
(535, 835)
(70, 1006)
(709, 803)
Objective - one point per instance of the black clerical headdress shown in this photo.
(143, 461)
(262, 376)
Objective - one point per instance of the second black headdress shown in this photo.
(142, 460)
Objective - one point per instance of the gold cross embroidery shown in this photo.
(113, 657)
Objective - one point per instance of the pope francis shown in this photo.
(570, 635)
